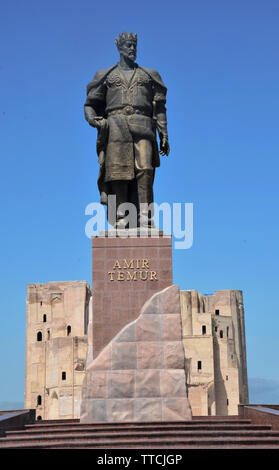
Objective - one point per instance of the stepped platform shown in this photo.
(234, 432)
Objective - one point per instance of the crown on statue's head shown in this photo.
(123, 37)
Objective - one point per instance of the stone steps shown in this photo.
(198, 433)
(158, 442)
(17, 436)
(141, 425)
(56, 421)
(172, 429)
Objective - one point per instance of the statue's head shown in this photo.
(127, 45)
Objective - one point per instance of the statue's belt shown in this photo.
(128, 110)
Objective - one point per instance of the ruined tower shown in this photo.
(56, 347)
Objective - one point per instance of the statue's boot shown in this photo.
(145, 197)
(120, 190)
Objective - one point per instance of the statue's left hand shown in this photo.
(164, 146)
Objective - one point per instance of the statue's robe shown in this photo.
(112, 96)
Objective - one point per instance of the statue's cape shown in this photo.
(102, 74)
(155, 77)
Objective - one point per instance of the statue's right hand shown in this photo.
(91, 122)
(99, 122)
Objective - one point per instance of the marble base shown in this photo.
(140, 375)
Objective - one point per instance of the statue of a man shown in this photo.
(126, 103)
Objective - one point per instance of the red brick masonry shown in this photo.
(121, 286)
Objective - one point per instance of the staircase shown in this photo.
(200, 433)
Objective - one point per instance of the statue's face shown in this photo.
(129, 49)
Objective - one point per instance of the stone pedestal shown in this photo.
(140, 375)
(126, 272)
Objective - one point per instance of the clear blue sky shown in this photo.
(219, 60)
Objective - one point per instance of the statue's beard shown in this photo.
(130, 55)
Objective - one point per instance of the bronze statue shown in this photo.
(126, 103)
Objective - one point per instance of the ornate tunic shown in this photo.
(128, 105)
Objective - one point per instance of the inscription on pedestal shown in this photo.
(132, 270)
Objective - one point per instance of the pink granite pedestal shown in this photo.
(125, 273)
